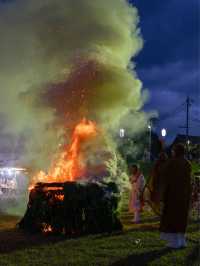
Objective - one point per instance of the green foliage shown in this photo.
(195, 167)
(118, 171)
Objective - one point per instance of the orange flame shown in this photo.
(59, 197)
(67, 166)
(47, 228)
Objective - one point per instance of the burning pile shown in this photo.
(72, 208)
(58, 204)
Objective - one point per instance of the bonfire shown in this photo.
(63, 201)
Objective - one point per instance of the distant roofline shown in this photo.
(183, 137)
(190, 136)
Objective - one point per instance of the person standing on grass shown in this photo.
(175, 197)
(137, 185)
(155, 181)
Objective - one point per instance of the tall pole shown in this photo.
(150, 129)
(187, 117)
(150, 144)
(188, 104)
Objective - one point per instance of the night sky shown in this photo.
(168, 65)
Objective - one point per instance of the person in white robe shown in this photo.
(137, 185)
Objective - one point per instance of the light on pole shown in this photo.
(188, 148)
(149, 127)
(163, 132)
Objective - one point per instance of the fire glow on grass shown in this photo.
(67, 167)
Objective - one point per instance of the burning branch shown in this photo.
(67, 166)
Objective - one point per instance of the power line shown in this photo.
(188, 105)
(175, 111)
(195, 120)
(187, 125)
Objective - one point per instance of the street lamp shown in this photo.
(188, 148)
(163, 132)
(149, 127)
(188, 142)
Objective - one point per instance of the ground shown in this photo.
(136, 245)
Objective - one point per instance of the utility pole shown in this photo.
(150, 136)
(188, 104)
(187, 125)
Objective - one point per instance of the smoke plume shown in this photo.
(64, 60)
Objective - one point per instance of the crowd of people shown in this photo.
(168, 191)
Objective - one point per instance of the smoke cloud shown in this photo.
(63, 60)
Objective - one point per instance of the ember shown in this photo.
(47, 228)
(73, 209)
(59, 197)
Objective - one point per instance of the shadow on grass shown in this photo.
(195, 242)
(126, 218)
(142, 259)
(193, 229)
(194, 256)
(139, 228)
(142, 227)
(151, 220)
(13, 239)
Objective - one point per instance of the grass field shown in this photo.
(136, 245)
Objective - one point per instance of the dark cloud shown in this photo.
(169, 85)
(168, 63)
(177, 76)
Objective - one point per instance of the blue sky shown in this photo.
(168, 65)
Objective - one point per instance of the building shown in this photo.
(192, 143)
(195, 140)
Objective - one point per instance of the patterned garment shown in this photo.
(137, 183)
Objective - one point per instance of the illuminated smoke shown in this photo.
(62, 60)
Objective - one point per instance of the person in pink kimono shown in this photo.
(137, 185)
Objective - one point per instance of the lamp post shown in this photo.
(188, 148)
(149, 127)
